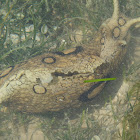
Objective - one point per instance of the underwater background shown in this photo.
(29, 28)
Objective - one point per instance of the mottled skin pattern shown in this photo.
(54, 81)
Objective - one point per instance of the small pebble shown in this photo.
(44, 29)
(55, 28)
(29, 28)
(14, 38)
(20, 16)
(37, 38)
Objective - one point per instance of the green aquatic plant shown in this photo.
(61, 17)
(83, 128)
(131, 121)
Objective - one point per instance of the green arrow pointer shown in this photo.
(97, 80)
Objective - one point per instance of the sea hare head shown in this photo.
(114, 34)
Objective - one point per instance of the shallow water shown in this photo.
(99, 111)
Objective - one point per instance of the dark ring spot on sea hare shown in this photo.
(49, 60)
(6, 72)
(38, 89)
(121, 21)
(86, 94)
(116, 32)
